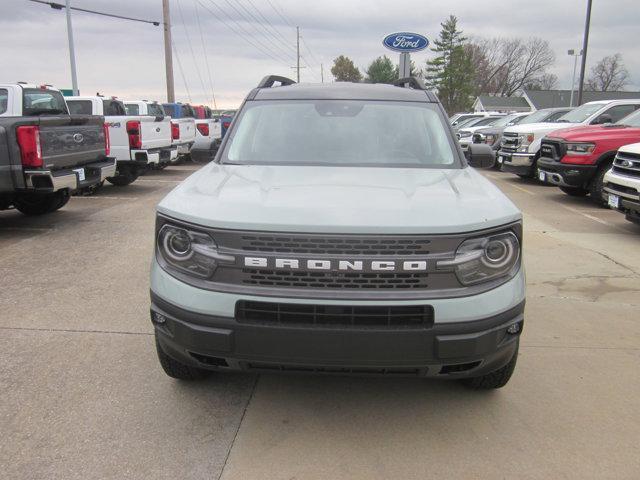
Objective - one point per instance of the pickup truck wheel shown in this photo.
(38, 204)
(495, 379)
(179, 370)
(124, 177)
(597, 184)
(575, 191)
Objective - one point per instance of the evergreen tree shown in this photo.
(451, 72)
(381, 70)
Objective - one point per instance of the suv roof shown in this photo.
(343, 91)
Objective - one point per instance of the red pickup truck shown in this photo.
(576, 159)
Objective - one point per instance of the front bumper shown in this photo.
(48, 181)
(565, 174)
(467, 338)
(628, 190)
(518, 163)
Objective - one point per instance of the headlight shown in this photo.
(524, 140)
(580, 148)
(490, 138)
(464, 133)
(189, 252)
(483, 259)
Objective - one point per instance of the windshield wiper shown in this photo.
(46, 111)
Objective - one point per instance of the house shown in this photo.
(560, 98)
(532, 100)
(490, 103)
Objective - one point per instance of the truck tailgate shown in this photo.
(187, 129)
(156, 133)
(69, 141)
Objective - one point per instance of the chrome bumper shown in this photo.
(53, 181)
(518, 159)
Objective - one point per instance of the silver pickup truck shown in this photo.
(45, 153)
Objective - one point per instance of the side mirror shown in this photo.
(480, 155)
(602, 119)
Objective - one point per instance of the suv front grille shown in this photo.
(627, 164)
(335, 280)
(509, 142)
(327, 244)
(294, 314)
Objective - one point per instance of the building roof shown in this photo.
(561, 98)
(490, 102)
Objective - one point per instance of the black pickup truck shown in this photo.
(45, 153)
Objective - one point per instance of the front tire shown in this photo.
(575, 191)
(496, 379)
(40, 204)
(179, 370)
(596, 187)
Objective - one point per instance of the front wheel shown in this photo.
(596, 187)
(179, 370)
(496, 379)
(575, 191)
(39, 204)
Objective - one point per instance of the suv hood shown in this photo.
(539, 128)
(339, 199)
(597, 132)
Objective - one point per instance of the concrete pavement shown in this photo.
(82, 395)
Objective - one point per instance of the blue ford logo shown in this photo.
(405, 42)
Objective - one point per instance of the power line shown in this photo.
(281, 15)
(257, 45)
(193, 56)
(282, 38)
(184, 79)
(60, 6)
(206, 58)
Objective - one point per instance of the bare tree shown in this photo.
(547, 81)
(609, 74)
(505, 65)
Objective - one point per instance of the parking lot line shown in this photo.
(586, 215)
(109, 197)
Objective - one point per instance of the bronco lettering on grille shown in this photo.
(337, 265)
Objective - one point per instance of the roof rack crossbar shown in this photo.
(411, 82)
(269, 80)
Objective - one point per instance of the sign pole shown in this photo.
(405, 65)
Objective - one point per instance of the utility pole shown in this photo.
(72, 52)
(168, 57)
(298, 52)
(585, 43)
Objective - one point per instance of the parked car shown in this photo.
(225, 122)
(46, 153)
(270, 260)
(457, 119)
(208, 135)
(576, 159)
(622, 183)
(465, 133)
(183, 127)
(493, 134)
(137, 141)
(520, 145)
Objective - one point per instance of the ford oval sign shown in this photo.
(405, 42)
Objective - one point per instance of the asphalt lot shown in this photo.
(82, 395)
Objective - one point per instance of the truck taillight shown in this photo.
(226, 124)
(29, 143)
(107, 140)
(175, 131)
(203, 128)
(135, 137)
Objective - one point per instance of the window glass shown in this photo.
(4, 100)
(632, 120)
(113, 108)
(132, 108)
(37, 101)
(620, 111)
(341, 133)
(155, 110)
(581, 113)
(80, 107)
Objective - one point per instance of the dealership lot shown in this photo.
(82, 394)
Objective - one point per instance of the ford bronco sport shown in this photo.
(340, 229)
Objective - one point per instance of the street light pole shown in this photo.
(72, 52)
(573, 78)
(585, 43)
(168, 52)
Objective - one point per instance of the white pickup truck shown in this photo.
(520, 147)
(153, 109)
(208, 135)
(137, 141)
(622, 183)
(183, 126)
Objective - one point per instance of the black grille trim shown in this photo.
(340, 316)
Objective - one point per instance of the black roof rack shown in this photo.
(269, 80)
(411, 82)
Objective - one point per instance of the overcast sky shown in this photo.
(126, 59)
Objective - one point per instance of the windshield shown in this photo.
(467, 122)
(581, 113)
(535, 117)
(42, 102)
(504, 121)
(341, 133)
(632, 120)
